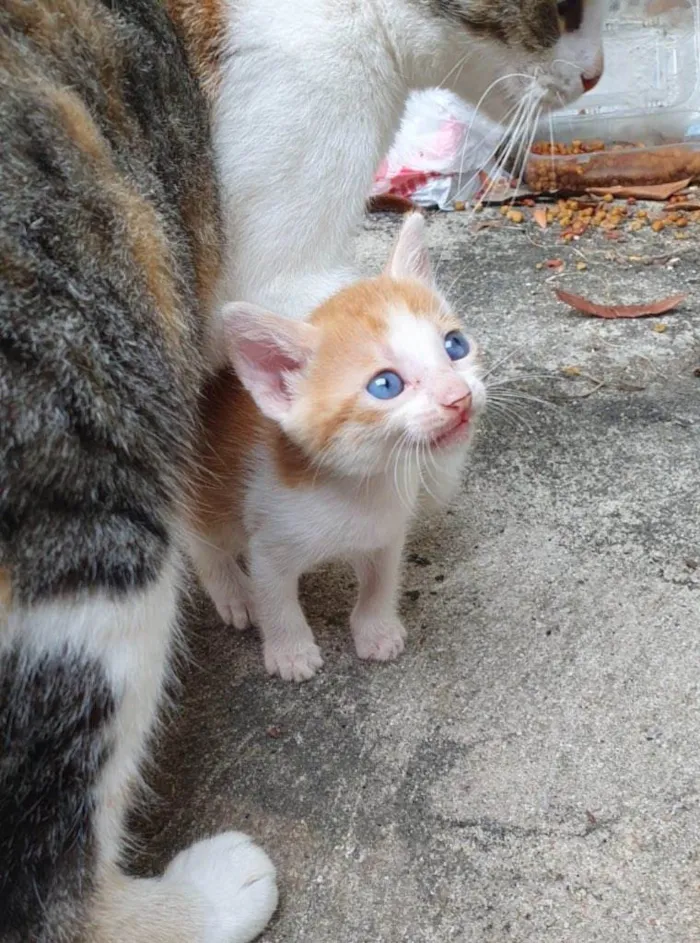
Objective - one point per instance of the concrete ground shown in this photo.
(529, 770)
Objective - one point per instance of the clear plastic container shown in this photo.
(646, 109)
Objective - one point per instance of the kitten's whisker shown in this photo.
(502, 360)
(507, 381)
(511, 416)
(399, 457)
(512, 395)
(424, 483)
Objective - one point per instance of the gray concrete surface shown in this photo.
(529, 770)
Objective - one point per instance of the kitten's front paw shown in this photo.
(293, 664)
(379, 641)
(235, 882)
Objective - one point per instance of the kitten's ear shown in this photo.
(410, 258)
(266, 352)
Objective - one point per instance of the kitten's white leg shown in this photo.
(376, 627)
(289, 649)
(228, 586)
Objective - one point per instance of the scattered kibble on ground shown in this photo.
(574, 217)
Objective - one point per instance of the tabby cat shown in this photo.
(118, 241)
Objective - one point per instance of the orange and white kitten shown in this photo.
(320, 445)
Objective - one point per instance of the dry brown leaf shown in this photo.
(654, 191)
(486, 224)
(681, 205)
(539, 214)
(619, 311)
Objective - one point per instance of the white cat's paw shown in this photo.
(293, 664)
(379, 641)
(235, 882)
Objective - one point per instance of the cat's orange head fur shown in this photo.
(369, 371)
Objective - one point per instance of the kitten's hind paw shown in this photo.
(294, 664)
(379, 641)
(236, 611)
(235, 882)
(233, 598)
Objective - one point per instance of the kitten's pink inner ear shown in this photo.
(266, 351)
(410, 258)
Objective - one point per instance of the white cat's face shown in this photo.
(543, 52)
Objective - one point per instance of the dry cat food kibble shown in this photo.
(576, 217)
(582, 165)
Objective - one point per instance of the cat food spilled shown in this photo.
(575, 217)
(582, 165)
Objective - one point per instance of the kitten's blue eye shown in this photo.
(386, 385)
(456, 345)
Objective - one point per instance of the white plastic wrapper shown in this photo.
(443, 152)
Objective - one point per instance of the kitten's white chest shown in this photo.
(332, 521)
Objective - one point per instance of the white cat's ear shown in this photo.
(410, 258)
(267, 351)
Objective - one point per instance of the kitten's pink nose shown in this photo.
(457, 397)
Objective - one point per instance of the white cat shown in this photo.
(310, 97)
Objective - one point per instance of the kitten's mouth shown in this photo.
(455, 433)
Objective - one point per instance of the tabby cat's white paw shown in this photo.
(235, 882)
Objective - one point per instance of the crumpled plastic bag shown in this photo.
(443, 153)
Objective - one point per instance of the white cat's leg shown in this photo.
(228, 586)
(376, 627)
(289, 649)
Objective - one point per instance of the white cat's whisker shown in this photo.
(515, 115)
(522, 160)
(551, 142)
(512, 116)
(567, 62)
(459, 65)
